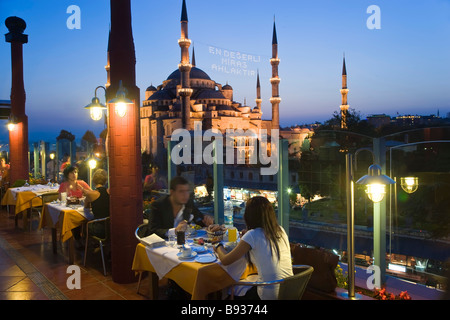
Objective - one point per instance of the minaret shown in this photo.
(185, 68)
(275, 81)
(258, 99)
(344, 91)
(193, 57)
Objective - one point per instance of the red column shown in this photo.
(124, 146)
(18, 138)
(125, 178)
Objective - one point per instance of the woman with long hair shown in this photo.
(266, 246)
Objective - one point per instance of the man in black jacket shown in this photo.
(174, 212)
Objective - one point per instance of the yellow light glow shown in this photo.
(52, 156)
(409, 184)
(11, 126)
(121, 109)
(96, 113)
(376, 192)
(92, 163)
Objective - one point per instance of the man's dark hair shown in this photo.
(177, 181)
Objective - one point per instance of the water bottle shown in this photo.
(228, 214)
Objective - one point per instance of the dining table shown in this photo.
(199, 275)
(57, 214)
(26, 197)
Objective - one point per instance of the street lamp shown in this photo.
(409, 184)
(375, 183)
(121, 103)
(95, 107)
(12, 122)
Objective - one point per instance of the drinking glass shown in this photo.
(172, 240)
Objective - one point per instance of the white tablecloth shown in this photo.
(37, 189)
(55, 209)
(164, 259)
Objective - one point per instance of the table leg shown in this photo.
(154, 286)
(26, 226)
(54, 240)
(71, 245)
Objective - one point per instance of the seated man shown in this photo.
(174, 212)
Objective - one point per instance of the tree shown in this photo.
(65, 135)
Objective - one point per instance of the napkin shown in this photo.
(153, 241)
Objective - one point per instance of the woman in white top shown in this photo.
(265, 245)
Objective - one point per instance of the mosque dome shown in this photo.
(227, 87)
(195, 73)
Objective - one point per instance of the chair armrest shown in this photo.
(98, 220)
(257, 283)
(137, 230)
(300, 266)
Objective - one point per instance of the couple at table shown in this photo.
(265, 245)
(97, 199)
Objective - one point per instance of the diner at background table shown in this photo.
(4, 173)
(72, 186)
(98, 200)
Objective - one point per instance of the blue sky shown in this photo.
(403, 67)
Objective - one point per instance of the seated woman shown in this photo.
(265, 245)
(72, 186)
(98, 200)
(4, 174)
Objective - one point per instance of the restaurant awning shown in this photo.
(5, 109)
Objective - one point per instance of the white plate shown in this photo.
(206, 258)
(193, 254)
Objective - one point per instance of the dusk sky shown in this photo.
(403, 67)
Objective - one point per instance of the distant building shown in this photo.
(416, 120)
(379, 120)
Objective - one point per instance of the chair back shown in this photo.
(292, 288)
(100, 229)
(140, 231)
(49, 197)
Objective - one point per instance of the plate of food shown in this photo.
(215, 232)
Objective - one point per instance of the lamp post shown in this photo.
(375, 183)
(92, 163)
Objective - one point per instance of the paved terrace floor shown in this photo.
(29, 270)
